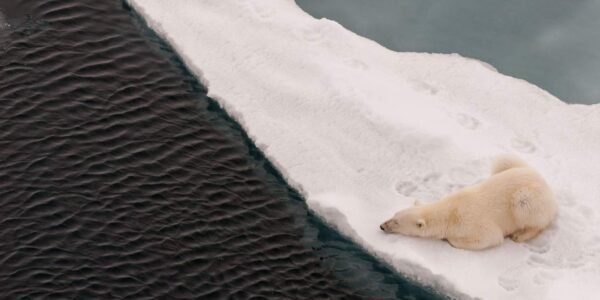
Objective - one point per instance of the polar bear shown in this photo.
(514, 201)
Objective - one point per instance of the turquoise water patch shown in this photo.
(554, 44)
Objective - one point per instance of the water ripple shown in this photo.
(119, 178)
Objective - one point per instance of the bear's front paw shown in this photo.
(523, 235)
(517, 238)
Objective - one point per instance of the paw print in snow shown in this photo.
(358, 64)
(405, 188)
(313, 33)
(261, 10)
(522, 145)
(467, 121)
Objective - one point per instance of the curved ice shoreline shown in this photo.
(361, 131)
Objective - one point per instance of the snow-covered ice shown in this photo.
(362, 131)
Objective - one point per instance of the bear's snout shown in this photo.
(385, 226)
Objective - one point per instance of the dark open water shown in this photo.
(119, 178)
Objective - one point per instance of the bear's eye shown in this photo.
(419, 224)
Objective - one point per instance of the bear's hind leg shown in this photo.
(525, 234)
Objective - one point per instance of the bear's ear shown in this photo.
(420, 223)
(417, 203)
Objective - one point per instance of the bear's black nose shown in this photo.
(381, 226)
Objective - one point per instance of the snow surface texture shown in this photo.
(363, 131)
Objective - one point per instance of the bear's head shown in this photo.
(410, 222)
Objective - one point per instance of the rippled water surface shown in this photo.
(554, 44)
(119, 178)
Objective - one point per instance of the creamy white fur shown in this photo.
(514, 201)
